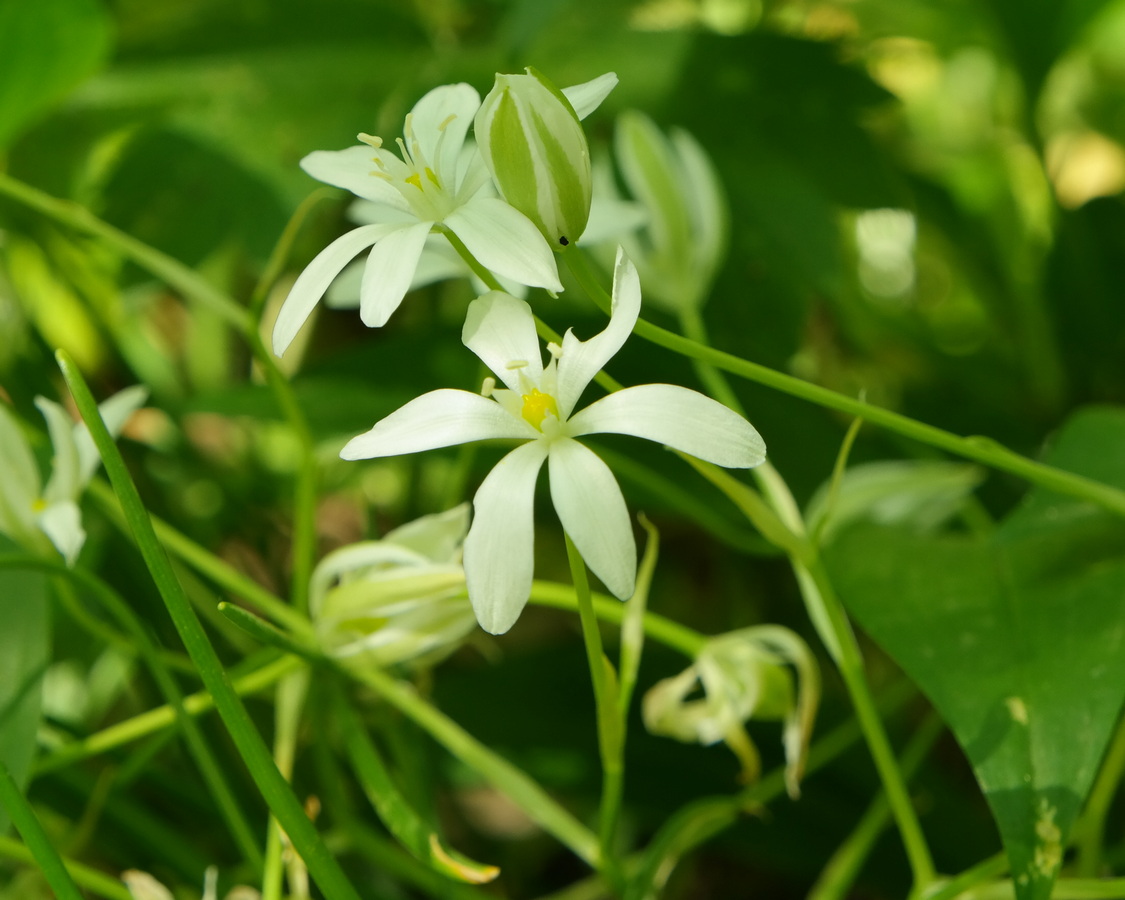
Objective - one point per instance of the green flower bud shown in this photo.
(530, 136)
(744, 674)
(400, 599)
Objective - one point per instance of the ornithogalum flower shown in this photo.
(30, 512)
(536, 406)
(679, 250)
(398, 599)
(744, 674)
(439, 182)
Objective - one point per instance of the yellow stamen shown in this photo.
(537, 406)
(38, 504)
(415, 180)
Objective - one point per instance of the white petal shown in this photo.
(678, 417)
(438, 536)
(437, 419)
(364, 212)
(351, 170)
(592, 511)
(313, 282)
(505, 241)
(587, 97)
(389, 271)
(115, 412)
(62, 523)
(343, 293)
(19, 486)
(432, 123)
(352, 557)
(63, 483)
(500, 330)
(706, 201)
(582, 360)
(499, 551)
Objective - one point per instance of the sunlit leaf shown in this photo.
(1017, 640)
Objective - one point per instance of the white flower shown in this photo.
(398, 599)
(538, 408)
(439, 182)
(28, 511)
(744, 674)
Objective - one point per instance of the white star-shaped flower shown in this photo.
(440, 180)
(28, 511)
(537, 407)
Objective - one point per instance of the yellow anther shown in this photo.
(446, 121)
(370, 139)
(38, 504)
(537, 406)
(430, 175)
(488, 386)
(415, 180)
(516, 364)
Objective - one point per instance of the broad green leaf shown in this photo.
(1018, 640)
(47, 47)
(24, 648)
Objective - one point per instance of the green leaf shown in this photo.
(1017, 639)
(24, 649)
(47, 47)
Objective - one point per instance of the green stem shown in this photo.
(986, 870)
(275, 789)
(672, 634)
(162, 717)
(611, 741)
(1090, 833)
(85, 877)
(290, 694)
(980, 449)
(838, 876)
(40, 846)
(519, 788)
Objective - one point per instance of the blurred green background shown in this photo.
(926, 206)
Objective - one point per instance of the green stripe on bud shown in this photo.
(533, 144)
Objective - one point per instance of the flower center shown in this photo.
(417, 178)
(38, 505)
(537, 406)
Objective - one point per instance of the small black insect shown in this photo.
(564, 241)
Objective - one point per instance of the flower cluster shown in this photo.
(503, 202)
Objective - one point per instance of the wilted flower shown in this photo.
(530, 135)
(28, 511)
(538, 408)
(399, 599)
(440, 182)
(744, 674)
(143, 886)
(679, 251)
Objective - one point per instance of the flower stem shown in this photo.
(980, 449)
(84, 876)
(273, 786)
(611, 731)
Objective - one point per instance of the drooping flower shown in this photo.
(744, 674)
(440, 182)
(530, 135)
(398, 599)
(537, 407)
(30, 512)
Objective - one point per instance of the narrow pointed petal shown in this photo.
(62, 523)
(63, 483)
(499, 551)
(313, 282)
(438, 537)
(587, 97)
(437, 419)
(582, 360)
(115, 412)
(433, 124)
(500, 330)
(389, 271)
(19, 487)
(351, 170)
(505, 241)
(592, 511)
(678, 417)
(352, 557)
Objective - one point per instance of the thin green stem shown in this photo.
(31, 830)
(161, 717)
(279, 256)
(1090, 833)
(611, 737)
(985, 870)
(275, 789)
(197, 745)
(980, 449)
(519, 788)
(471, 261)
(672, 634)
(838, 876)
(290, 694)
(90, 879)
